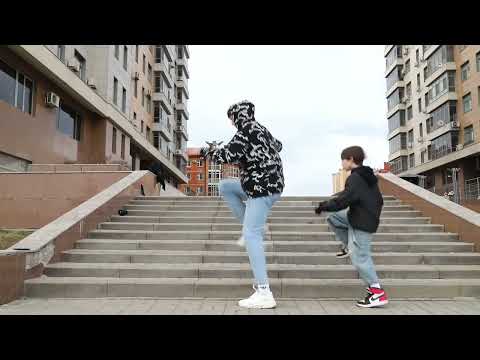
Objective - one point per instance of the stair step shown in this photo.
(219, 198)
(319, 258)
(300, 246)
(229, 220)
(89, 287)
(273, 215)
(410, 228)
(275, 208)
(278, 235)
(222, 203)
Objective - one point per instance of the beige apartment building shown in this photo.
(433, 113)
(94, 104)
(339, 180)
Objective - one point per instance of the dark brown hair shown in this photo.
(355, 152)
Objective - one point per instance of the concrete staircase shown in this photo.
(185, 247)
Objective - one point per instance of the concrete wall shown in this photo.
(31, 200)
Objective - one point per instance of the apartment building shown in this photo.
(339, 180)
(204, 176)
(433, 113)
(94, 104)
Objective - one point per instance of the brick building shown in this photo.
(204, 176)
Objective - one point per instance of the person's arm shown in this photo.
(233, 152)
(343, 199)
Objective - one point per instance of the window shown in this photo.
(117, 52)
(125, 57)
(419, 105)
(69, 121)
(24, 93)
(180, 52)
(418, 81)
(444, 145)
(398, 142)
(180, 72)
(410, 138)
(143, 65)
(149, 104)
(156, 140)
(420, 130)
(143, 96)
(189, 176)
(7, 83)
(417, 56)
(394, 98)
(409, 89)
(399, 164)
(465, 71)
(439, 58)
(392, 56)
(114, 141)
(134, 116)
(158, 54)
(467, 103)
(442, 115)
(200, 176)
(150, 73)
(199, 190)
(411, 159)
(394, 122)
(115, 90)
(200, 162)
(407, 66)
(478, 61)
(135, 88)
(122, 149)
(124, 100)
(159, 82)
(136, 53)
(61, 52)
(409, 113)
(141, 127)
(82, 63)
(148, 133)
(468, 135)
(445, 83)
(422, 156)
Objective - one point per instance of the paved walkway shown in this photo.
(115, 306)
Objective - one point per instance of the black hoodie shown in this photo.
(255, 150)
(363, 197)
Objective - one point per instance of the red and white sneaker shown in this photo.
(375, 297)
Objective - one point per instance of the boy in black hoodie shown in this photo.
(354, 228)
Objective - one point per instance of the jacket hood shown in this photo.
(243, 112)
(367, 174)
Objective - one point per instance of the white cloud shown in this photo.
(316, 99)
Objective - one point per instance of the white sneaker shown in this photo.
(261, 299)
(241, 241)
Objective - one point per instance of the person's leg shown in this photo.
(231, 190)
(253, 230)
(359, 244)
(360, 248)
(256, 216)
(338, 223)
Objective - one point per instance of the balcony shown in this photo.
(448, 127)
(164, 129)
(181, 84)
(447, 96)
(165, 70)
(164, 102)
(169, 51)
(182, 153)
(398, 153)
(432, 76)
(399, 106)
(393, 133)
(183, 130)
(397, 62)
(397, 84)
(182, 107)
(431, 49)
(387, 49)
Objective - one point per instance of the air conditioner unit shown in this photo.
(52, 100)
(455, 124)
(459, 147)
(424, 112)
(73, 65)
(92, 83)
(136, 75)
(420, 140)
(440, 123)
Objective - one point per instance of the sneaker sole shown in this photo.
(378, 304)
(268, 306)
(342, 256)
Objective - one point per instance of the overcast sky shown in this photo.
(316, 100)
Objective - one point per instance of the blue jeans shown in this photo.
(252, 213)
(358, 244)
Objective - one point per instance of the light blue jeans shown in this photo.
(358, 244)
(253, 214)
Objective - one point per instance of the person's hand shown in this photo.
(319, 208)
(204, 152)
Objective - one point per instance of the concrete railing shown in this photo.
(27, 258)
(455, 218)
